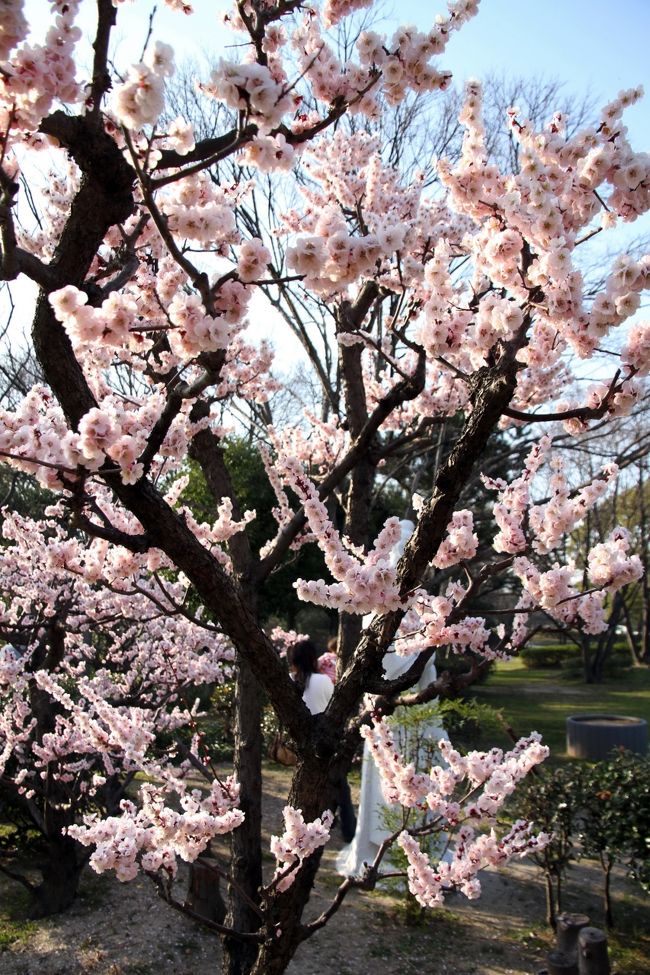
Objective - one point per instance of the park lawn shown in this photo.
(542, 699)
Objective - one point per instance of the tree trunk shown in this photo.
(633, 645)
(204, 890)
(347, 637)
(559, 963)
(63, 861)
(607, 894)
(592, 952)
(645, 629)
(61, 872)
(606, 640)
(568, 929)
(585, 644)
(362, 477)
(644, 539)
(357, 528)
(246, 841)
(550, 902)
(313, 790)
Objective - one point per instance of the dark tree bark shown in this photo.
(204, 890)
(63, 860)
(246, 842)
(61, 871)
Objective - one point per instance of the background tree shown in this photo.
(624, 443)
(614, 820)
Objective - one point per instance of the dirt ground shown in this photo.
(123, 929)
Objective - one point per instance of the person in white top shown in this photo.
(317, 690)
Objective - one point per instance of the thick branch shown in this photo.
(207, 151)
(161, 428)
(579, 413)
(18, 877)
(165, 895)
(101, 81)
(207, 452)
(134, 543)
(211, 151)
(105, 198)
(9, 264)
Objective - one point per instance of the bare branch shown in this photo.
(101, 79)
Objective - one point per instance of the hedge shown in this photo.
(566, 655)
(549, 655)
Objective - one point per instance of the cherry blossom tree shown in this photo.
(624, 509)
(460, 301)
(95, 684)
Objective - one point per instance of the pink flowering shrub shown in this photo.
(115, 677)
(299, 841)
(153, 836)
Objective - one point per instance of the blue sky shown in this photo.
(595, 46)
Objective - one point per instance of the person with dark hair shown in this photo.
(317, 690)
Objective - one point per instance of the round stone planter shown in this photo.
(593, 736)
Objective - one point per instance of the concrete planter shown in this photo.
(593, 736)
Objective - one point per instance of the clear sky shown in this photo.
(596, 46)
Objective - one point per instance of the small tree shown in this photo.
(615, 818)
(553, 799)
(598, 811)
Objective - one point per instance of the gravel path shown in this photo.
(123, 929)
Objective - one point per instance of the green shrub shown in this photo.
(552, 800)
(599, 810)
(568, 657)
(615, 818)
(218, 725)
(572, 668)
(417, 732)
(615, 663)
(469, 723)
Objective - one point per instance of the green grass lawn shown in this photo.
(541, 700)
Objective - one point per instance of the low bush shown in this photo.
(552, 801)
(218, 725)
(469, 723)
(459, 663)
(568, 657)
(548, 655)
(615, 663)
